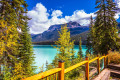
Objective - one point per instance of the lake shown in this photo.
(47, 53)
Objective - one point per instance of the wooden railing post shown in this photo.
(98, 64)
(104, 61)
(61, 73)
(87, 68)
(108, 59)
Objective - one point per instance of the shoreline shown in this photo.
(51, 43)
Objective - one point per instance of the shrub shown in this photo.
(114, 57)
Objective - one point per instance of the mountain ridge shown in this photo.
(52, 33)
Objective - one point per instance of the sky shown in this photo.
(44, 13)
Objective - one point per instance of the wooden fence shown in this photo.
(52, 74)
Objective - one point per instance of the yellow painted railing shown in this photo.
(52, 74)
(74, 66)
(44, 74)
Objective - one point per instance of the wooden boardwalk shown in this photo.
(112, 72)
(61, 71)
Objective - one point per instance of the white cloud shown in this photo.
(118, 3)
(80, 16)
(117, 15)
(39, 17)
(56, 13)
(40, 21)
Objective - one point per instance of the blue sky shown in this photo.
(66, 6)
(45, 13)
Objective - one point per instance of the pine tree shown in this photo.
(64, 46)
(8, 44)
(18, 72)
(13, 48)
(90, 37)
(46, 65)
(105, 26)
(8, 35)
(80, 53)
(26, 52)
(7, 75)
(72, 51)
(54, 62)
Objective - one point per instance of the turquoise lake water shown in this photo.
(47, 53)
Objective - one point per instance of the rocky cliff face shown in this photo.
(52, 33)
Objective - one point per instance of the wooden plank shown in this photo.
(103, 75)
(47, 78)
(92, 72)
(101, 57)
(53, 76)
(50, 77)
(104, 61)
(93, 59)
(61, 73)
(98, 64)
(61, 70)
(56, 76)
(75, 66)
(87, 68)
(106, 56)
(43, 74)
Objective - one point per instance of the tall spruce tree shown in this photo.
(105, 27)
(90, 37)
(26, 52)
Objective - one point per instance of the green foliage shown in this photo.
(65, 48)
(72, 51)
(8, 38)
(90, 37)
(26, 52)
(7, 75)
(41, 68)
(18, 72)
(8, 46)
(15, 47)
(83, 36)
(103, 33)
(80, 53)
(105, 27)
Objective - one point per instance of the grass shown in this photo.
(114, 57)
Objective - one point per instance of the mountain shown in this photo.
(33, 35)
(83, 36)
(52, 33)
